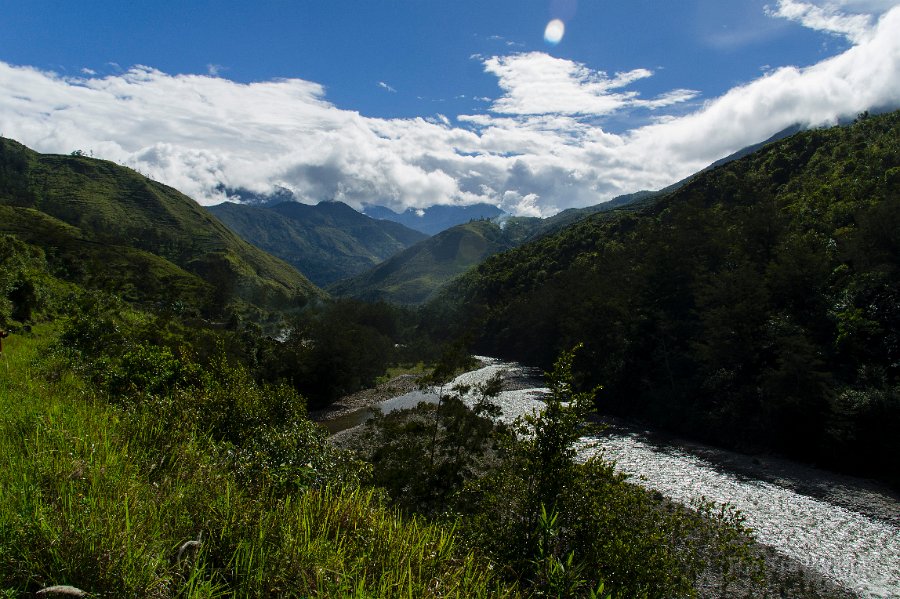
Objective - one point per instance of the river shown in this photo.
(843, 528)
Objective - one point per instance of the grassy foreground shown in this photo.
(106, 499)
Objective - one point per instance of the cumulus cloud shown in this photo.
(538, 149)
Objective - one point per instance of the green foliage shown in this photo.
(424, 455)
(547, 440)
(415, 274)
(554, 576)
(27, 291)
(136, 365)
(327, 242)
(104, 497)
(340, 347)
(740, 307)
(724, 535)
(567, 527)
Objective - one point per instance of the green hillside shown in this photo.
(108, 227)
(757, 305)
(413, 275)
(326, 242)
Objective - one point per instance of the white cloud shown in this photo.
(387, 87)
(827, 18)
(506, 42)
(538, 150)
(537, 83)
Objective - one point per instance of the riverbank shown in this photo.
(860, 495)
(784, 575)
(398, 385)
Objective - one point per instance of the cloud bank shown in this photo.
(538, 150)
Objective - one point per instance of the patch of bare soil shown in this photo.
(367, 397)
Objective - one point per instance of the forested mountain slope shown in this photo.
(758, 305)
(109, 227)
(414, 274)
(326, 242)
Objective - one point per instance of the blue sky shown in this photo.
(411, 103)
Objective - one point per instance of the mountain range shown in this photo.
(327, 242)
(414, 275)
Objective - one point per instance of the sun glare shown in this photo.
(554, 32)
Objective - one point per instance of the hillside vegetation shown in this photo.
(155, 499)
(148, 457)
(413, 275)
(326, 242)
(108, 227)
(416, 275)
(756, 306)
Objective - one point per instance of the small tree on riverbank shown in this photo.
(424, 455)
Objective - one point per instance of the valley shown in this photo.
(717, 418)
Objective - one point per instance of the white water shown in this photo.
(859, 552)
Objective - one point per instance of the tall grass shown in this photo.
(103, 499)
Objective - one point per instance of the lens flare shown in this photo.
(554, 32)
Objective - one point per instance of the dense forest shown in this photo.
(756, 306)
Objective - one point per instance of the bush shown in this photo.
(424, 455)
